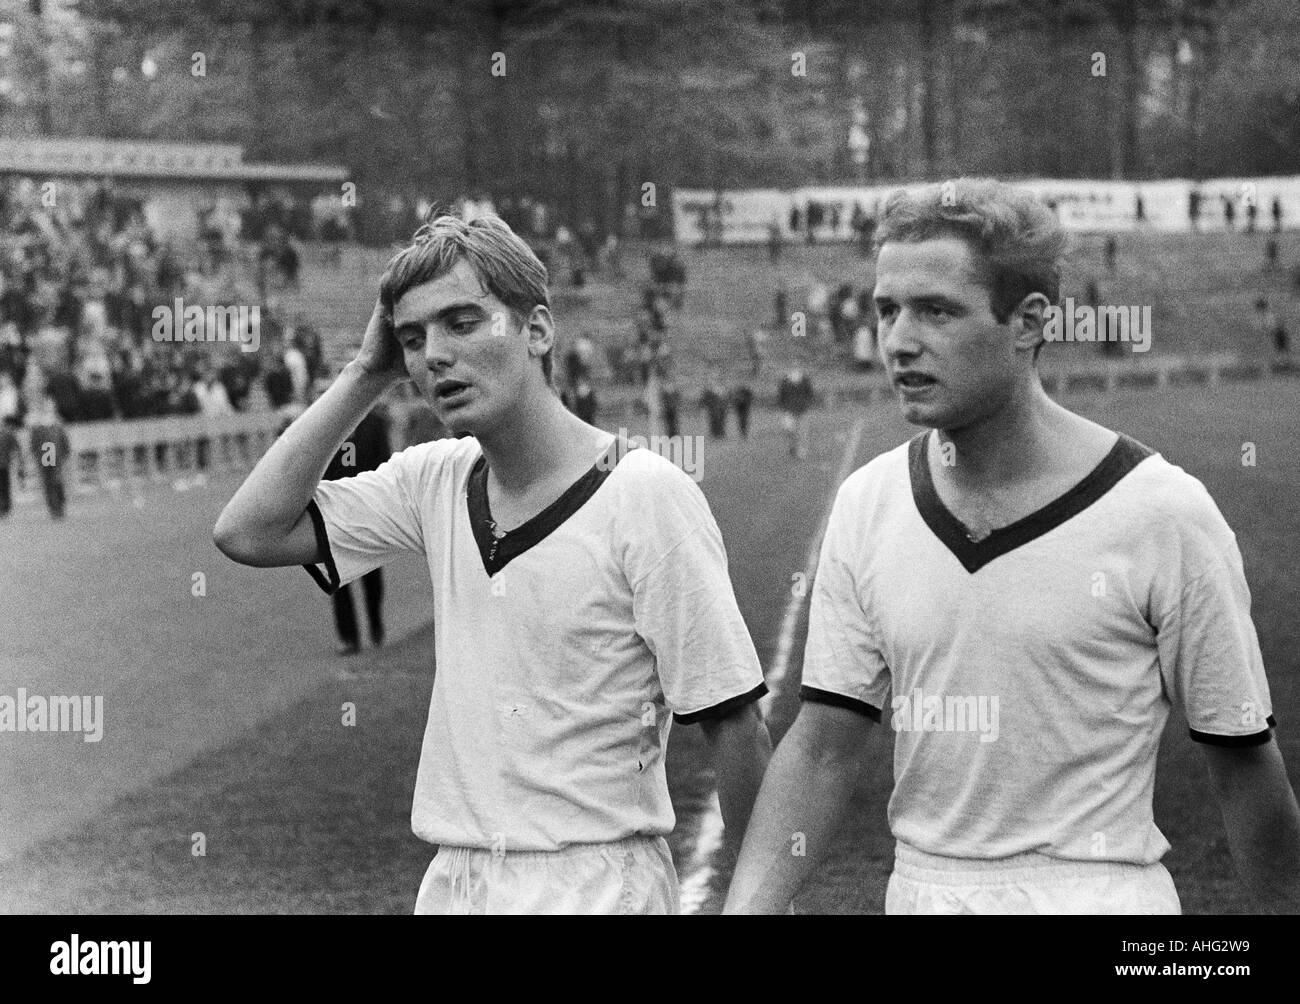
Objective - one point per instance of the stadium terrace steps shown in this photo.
(1201, 289)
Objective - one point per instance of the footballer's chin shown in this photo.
(467, 412)
(926, 405)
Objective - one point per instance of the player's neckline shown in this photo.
(498, 547)
(1125, 455)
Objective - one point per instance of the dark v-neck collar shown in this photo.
(1126, 454)
(498, 551)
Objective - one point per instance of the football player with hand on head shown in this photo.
(582, 599)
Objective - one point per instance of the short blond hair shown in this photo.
(503, 262)
(1016, 242)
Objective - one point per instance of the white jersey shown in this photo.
(1029, 676)
(561, 648)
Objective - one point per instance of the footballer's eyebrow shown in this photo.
(921, 300)
(459, 307)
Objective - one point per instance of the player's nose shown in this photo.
(899, 339)
(438, 353)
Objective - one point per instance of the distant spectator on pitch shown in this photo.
(715, 403)
(742, 396)
(579, 395)
(756, 342)
(367, 448)
(794, 396)
(49, 445)
(1273, 327)
(775, 242)
(8, 449)
(670, 400)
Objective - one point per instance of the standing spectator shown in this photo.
(10, 399)
(715, 404)
(775, 243)
(1267, 321)
(584, 353)
(8, 448)
(334, 232)
(756, 345)
(50, 447)
(566, 260)
(741, 398)
(307, 340)
(815, 214)
(213, 400)
(278, 383)
(794, 397)
(670, 398)
(1273, 327)
(1139, 210)
(819, 301)
(368, 447)
(583, 396)
(1277, 214)
(277, 262)
(1229, 211)
(846, 314)
(645, 357)
(295, 361)
(611, 260)
(1194, 209)
(781, 304)
(864, 341)
(1252, 214)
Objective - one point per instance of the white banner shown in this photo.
(1083, 206)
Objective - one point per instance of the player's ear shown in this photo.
(541, 331)
(1028, 318)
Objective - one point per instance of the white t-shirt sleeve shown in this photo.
(1209, 652)
(682, 600)
(365, 521)
(842, 663)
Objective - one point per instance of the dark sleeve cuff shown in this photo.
(1254, 739)
(722, 710)
(330, 584)
(814, 696)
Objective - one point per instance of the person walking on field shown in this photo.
(581, 599)
(1025, 723)
(794, 396)
(715, 404)
(368, 447)
(49, 445)
(8, 447)
(742, 396)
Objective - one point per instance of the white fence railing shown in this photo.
(119, 453)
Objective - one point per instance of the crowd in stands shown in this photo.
(81, 273)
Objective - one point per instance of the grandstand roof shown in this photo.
(41, 155)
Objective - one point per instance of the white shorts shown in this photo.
(632, 876)
(1025, 884)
